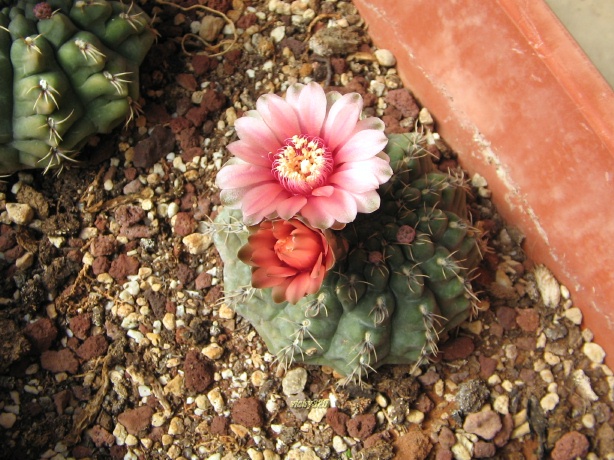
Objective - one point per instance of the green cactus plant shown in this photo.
(69, 69)
(405, 280)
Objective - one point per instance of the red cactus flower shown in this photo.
(289, 257)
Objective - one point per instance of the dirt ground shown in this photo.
(113, 339)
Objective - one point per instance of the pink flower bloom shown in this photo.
(289, 257)
(308, 155)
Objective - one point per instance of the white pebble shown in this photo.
(415, 416)
(548, 286)
(135, 335)
(546, 375)
(385, 58)
(574, 315)
(197, 243)
(213, 351)
(278, 34)
(583, 385)
(339, 444)
(21, 214)
(7, 420)
(588, 420)
(216, 400)
(549, 402)
(478, 181)
(594, 352)
(316, 414)
(502, 404)
(169, 321)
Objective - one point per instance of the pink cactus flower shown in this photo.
(289, 257)
(307, 155)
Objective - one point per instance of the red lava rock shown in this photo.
(485, 424)
(60, 361)
(202, 63)
(247, 20)
(101, 265)
(186, 81)
(337, 420)
(136, 420)
(219, 425)
(212, 100)
(527, 319)
(248, 412)
(184, 224)
(197, 115)
(424, 404)
(81, 452)
(41, 333)
(459, 348)
(403, 100)
(80, 325)
(571, 445)
(100, 437)
(128, 214)
(338, 64)
(413, 445)
(7, 240)
(429, 378)
(93, 347)
(151, 149)
(198, 372)
(61, 400)
(118, 452)
(179, 124)
(137, 231)
(444, 454)
(483, 449)
(124, 266)
(506, 317)
(376, 438)
(487, 366)
(361, 426)
(203, 281)
(190, 153)
(503, 436)
(131, 187)
(185, 274)
(203, 208)
(446, 438)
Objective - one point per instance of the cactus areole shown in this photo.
(402, 281)
(68, 70)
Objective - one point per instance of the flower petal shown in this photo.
(255, 208)
(355, 180)
(279, 116)
(367, 202)
(323, 212)
(291, 206)
(361, 146)
(255, 132)
(327, 190)
(239, 175)
(341, 120)
(254, 154)
(311, 109)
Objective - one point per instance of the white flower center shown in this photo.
(302, 164)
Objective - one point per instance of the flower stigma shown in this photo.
(302, 164)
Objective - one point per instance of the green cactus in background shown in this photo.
(68, 69)
(404, 282)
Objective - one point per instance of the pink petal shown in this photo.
(341, 120)
(242, 175)
(377, 169)
(327, 190)
(367, 202)
(279, 116)
(290, 207)
(249, 153)
(370, 123)
(311, 109)
(322, 212)
(255, 208)
(361, 146)
(355, 180)
(255, 131)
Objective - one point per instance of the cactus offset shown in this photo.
(404, 282)
(68, 70)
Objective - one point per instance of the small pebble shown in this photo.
(594, 352)
(574, 315)
(294, 381)
(339, 445)
(7, 420)
(21, 214)
(213, 351)
(549, 402)
(197, 243)
(216, 400)
(548, 286)
(385, 58)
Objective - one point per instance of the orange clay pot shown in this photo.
(515, 96)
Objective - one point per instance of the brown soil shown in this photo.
(113, 343)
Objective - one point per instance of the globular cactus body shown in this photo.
(404, 281)
(66, 75)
